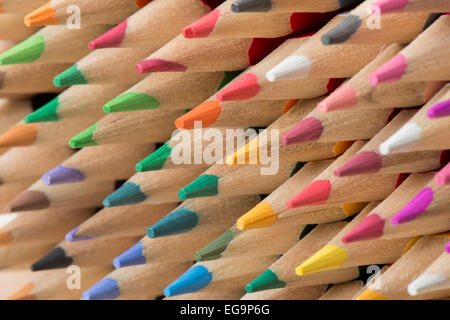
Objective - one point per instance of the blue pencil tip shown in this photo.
(132, 257)
(105, 289)
(196, 278)
(176, 222)
(128, 193)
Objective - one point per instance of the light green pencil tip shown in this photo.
(70, 77)
(26, 51)
(46, 113)
(214, 249)
(131, 101)
(84, 138)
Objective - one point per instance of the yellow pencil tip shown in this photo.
(248, 154)
(260, 216)
(371, 295)
(328, 258)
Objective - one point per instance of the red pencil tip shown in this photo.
(243, 88)
(315, 193)
(203, 26)
(159, 65)
(371, 227)
(361, 163)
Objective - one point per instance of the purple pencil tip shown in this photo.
(61, 174)
(415, 207)
(71, 236)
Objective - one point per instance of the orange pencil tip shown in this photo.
(20, 135)
(42, 16)
(207, 113)
(371, 295)
(23, 293)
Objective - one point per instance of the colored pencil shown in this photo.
(22, 253)
(108, 162)
(275, 239)
(89, 253)
(105, 11)
(136, 126)
(29, 163)
(252, 152)
(202, 215)
(282, 274)
(380, 225)
(223, 180)
(29, 78)
(222, 22)
(327, 189)
(182, 54)
(152, 187)
(423, 59)
(11, 111)
(359, 93)
(48, 226)
(336, 254)
(10, 190)
(44, 133)
(422, 131)
(435, 277)
(73, 195)
(169, 90)
(339, 126)
(52, 284)
(252, 113)
(137, 282)
(368, 160)
(290, 5)
(52, 44)
(19, 6)
(78, 101)
(294, 293)
(221, 273)
(395, 6)
(155, 24)
(393, 283)
(253, 83)
(230, 294)
(342, 291)
(14, 22)
(312, 59)
(442, 178)
(429, 200)
(176, 248)
(119, 222)
(114, 65)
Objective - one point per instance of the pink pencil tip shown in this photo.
(415, 207)
(243, 88)
(110, 39)
(391, 71)
(343, 98)
(309, 129)
(447, 247)
(387, 6)
(188, 32)
(203, 26)
(363, 162)
(440, 109)
(371, 227)
(159, 65)
(442, 178)
(315, 193)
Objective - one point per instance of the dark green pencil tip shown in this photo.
(156, 160)
(214, 249)
(46, 113)
(265, 281)
(204, 186)
(131, 101)
(84, 138)
(70, 77)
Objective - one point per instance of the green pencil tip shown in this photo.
(131, 101)
(156, 160)
(204, 186)
(46, 113)
(70, 77)
(214, 249)
(84, 138)
(265, 281)
(26, 51)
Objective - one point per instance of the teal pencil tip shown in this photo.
(129, 193)
(176, 222)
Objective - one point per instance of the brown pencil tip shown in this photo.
(27, 201)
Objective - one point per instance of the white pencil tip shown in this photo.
(293, 67)
(403, 140)
(425, 283)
